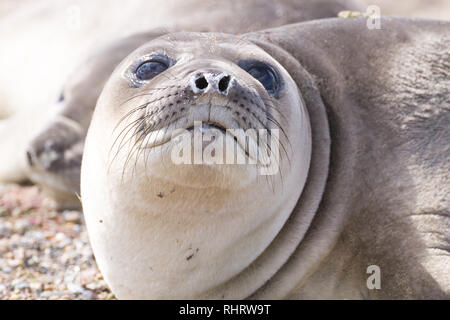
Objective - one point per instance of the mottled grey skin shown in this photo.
(55, 154)
(385, 97)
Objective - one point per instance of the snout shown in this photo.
(54, 157)
(46, 155)
(214, 82)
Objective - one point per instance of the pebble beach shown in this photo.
(44, 253)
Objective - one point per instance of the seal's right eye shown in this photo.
(150, 69)
(61, 97)
(264, 73)
(147, 67)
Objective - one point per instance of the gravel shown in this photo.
(44, 254)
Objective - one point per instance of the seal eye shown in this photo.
(265, 76)
(264, 73)
(61, 97)
(150, 69)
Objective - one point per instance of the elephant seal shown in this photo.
(51, 153)
(54, 153)
(363, 179)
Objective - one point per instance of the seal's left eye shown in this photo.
(150, 69)
(264, 73)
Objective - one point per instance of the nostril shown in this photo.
(223, 83)
(201, 83)
(30, 158)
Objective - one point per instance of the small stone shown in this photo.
(35, 235)
(14, 263)
(344, 14)
(87, 295)
(72, 216)
(36, 286)
(93, 286)
(18, 284)
(75, 288)
(60, 236)
(33, 261)
(45, 294)
(110, 296)
(4, 212)
(76, 228)
(6, 269)
(51, 294)
(349, 14)
(43, 270)
(19, 254)
(4, 231)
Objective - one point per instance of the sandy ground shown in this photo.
(45, 254)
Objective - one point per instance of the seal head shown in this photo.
(155, 221)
